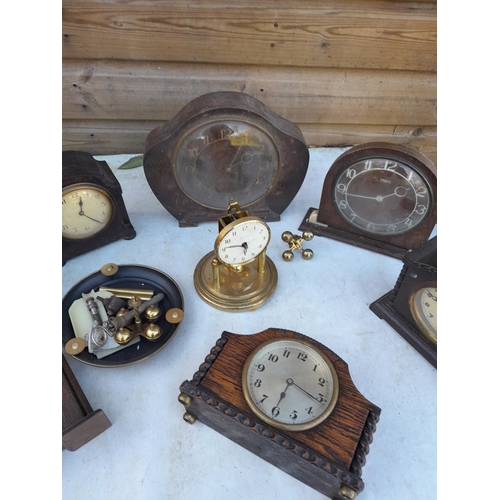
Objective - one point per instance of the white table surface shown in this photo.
(150, 453)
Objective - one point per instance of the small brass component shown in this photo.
(123, 335)
(128, 293)
(109, 269)
(184, 399)
(190, 419)
(307, 254)
(295, 243)
(152, 313)
(174, 315)
(151, 331)
(346, 493)
(75, 346)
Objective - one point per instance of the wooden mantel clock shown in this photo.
(93, 210)
(411, 307)
(378, 196)
(291, 401)
(224, 147)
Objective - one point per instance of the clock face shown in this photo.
(242, 241)
(290, 384)
(86, 211)
(222, 160)
(423, 307)
(382, 196)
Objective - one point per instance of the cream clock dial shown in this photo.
(86, 211)
(290, 384)
(242, 241)
(423, 307)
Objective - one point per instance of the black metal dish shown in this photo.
(132, 276)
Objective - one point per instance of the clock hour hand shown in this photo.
(289, 382)
(305, 392)
(243, 245)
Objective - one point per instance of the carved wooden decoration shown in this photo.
(329, 457)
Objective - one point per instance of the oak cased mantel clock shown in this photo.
(224, 147)
(378, 196)
(93, 210)
(291, 401)
(411, 307)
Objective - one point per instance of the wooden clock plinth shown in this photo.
(80, 424)
(328, 457)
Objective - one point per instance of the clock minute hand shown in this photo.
(95, 220)
(306, 393)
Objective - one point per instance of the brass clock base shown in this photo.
(239, 289)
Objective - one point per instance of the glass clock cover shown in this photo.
(86, 211)
(290, 384)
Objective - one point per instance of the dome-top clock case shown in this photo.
(379, 196)
(224, 147)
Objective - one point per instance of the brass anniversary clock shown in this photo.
(377, 196)
(237, 275)
(291, 401)
(222, 147)
(411, 307)
(93, 211)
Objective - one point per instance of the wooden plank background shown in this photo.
(346, 72)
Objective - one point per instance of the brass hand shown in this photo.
(305, 392)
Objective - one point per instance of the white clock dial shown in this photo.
(86, 211)
(242, 241)
(423, 307)
(290, 384)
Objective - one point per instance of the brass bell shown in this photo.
(123, 335)
(151, 331)
(152, 313)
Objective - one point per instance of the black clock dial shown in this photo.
(382, 196)
(226, 160)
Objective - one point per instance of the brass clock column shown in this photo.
(237, 275)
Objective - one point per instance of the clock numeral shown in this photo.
(421, 192)
(302, 356)
(225, 133)
(315, 366)
(322, 381)
(351, 173)
(320, 398)
(189, 169)
(275, 411)
(261, 368)
(264, 397)
(193, 152)
(286, 354)
(391, 228)
(390, 165)
(409, 222)
(342, 204)
(258, 383)
(273, 358)
(342, 188)
(64, 202)
(266, 165)
(368, 165)
(293, 415)
(420, 210)
(309, 410)
(370, 227)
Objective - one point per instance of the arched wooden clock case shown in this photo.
(378, 196)
(224, 147)
(327, 457)
(80, 170)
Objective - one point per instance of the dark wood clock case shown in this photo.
(419, 266)
(81, 167)
(162, 142)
